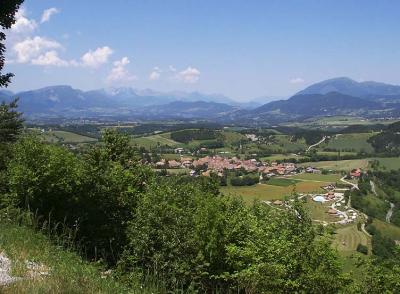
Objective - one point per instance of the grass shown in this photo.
(389, 163)
(154, 141)
(348, 237)
(68, 272)
(318, 177)
(276, 157)
(271, 192)
(66, 137)
(282, 182)
(355, 142)
(318, 211)
(387, 229)
(340, 165)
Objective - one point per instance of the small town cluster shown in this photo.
(219, 164)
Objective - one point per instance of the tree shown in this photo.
(7, 19)
(10, 122)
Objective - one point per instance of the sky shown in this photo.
(241, 49)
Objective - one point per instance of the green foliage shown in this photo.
(247, 180)
(195, 239)
(97, 195)
(10, 122)
(185, 136)
(362, 249)
(8, 9)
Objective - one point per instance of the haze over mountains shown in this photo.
(340, 96)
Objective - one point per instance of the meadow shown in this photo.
(272, 192)
(65, 137)
(340, 165)
(350, 142)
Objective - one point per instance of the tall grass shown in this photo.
(24, 236)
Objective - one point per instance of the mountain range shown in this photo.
(339, 96)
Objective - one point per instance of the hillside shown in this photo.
(38, 266)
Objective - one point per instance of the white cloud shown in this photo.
(32, 47)
(22, 24)
(297, 81)
(190, 75)
(97, 57)
(171, 68)
(48, 13)
(50, 58)
(155, 74)
(119, 74)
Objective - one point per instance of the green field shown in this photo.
(347, 238)
(386, 229)
(318, 211)
(275, 157)
(389, 163)
(340, 165)
(284, 182)
(65, 137)
(272, 192)
(318, 177)
(154, 141)
(350, 142)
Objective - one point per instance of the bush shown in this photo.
(362, 249)
(247, 180)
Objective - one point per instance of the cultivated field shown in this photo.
(340, 165)
(347, 238)
(350, 142)
(154, 141)
(272, 192)
(65, 137)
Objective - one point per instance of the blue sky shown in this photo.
(243, 49)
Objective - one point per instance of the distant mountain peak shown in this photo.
(345, 85)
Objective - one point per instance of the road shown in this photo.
(316, 144)
(389, 213)
(373, 188)
(354, 186)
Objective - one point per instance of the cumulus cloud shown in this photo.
(32, 47)
(97, 57)
(50, 58)
(119, 74)
(23, 25)
(48, 13)
(190, 75)
(155, 74)
(297, 81)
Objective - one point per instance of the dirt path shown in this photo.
(373, 189)
(389, 213)
(354, 186)
(316, 144)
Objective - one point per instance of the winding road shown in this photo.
(353, 186)
(389, 213)
(316, 144)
